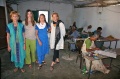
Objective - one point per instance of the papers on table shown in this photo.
(107, 52)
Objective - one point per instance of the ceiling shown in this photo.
(76, 3)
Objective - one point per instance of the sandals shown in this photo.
(16, 69)
(44, 62)
(51, 68)
(36, 61)
(39, 67)
(57, 62)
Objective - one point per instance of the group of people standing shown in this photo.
(28, 41)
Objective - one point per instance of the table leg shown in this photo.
(115, 44)
(89, 69)
(81, 61)
(69, 54)
(111, 59)
(0, 66)
(110, 45)
(69, 48)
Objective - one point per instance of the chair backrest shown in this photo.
(79, 44)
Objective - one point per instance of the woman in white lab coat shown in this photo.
(56, 38)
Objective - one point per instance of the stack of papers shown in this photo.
(109, 53)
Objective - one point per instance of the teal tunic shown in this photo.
(16, 43)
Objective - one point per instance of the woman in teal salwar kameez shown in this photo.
(15, 41)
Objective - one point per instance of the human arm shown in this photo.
(23, 31)
(36, 33)
(49, 28)
(62, 29)
(88, 43)
(8, 39)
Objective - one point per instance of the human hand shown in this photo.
(9, 49)
(97, 48)
(40, 43)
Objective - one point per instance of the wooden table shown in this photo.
(70, 42)
(103, 40)
(101, 57)
(118, 54)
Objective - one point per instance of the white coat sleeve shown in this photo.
(62, 29)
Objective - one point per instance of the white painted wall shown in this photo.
(2, 3)
(65, 10)
(109, 19)
(14, 6)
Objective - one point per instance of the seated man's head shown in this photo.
(99, 29)
(94, 37)
(70, 27)
(90, 26)
(73, 28)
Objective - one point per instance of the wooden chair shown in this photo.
(79, 46)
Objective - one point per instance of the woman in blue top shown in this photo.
(42, 44)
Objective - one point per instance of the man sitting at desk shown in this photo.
(86, 31)
(75, 34)
(99, 44)
(89, 47)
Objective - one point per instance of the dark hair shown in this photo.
(90, 26)
(43, 16)
(99, 28)
(32, 18)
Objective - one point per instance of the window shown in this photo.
(38, 12)
(45, 13)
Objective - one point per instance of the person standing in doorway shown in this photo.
(57, 38)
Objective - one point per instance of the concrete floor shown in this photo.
(66, 69)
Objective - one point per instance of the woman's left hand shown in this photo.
(97, 48)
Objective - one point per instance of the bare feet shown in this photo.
(30, 66)
(39, 67)
(52, 66)
(22, 70)
(16, 69)
(44, 62)
(107, 71)
(57, 60)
